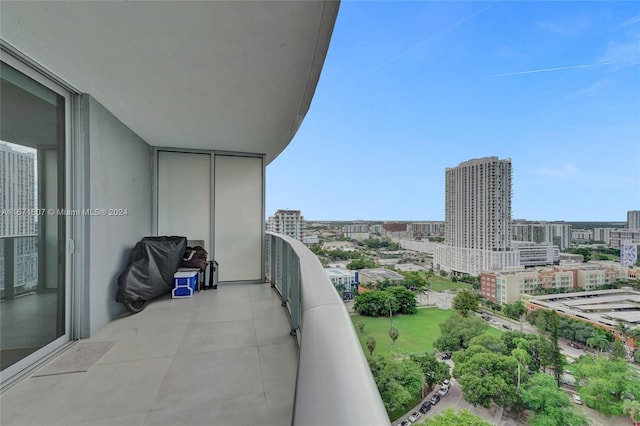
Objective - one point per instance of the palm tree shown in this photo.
(508, 310)
(389, 302)
(598, 340)
(521, 355)
(371, 344)
(393, 333)
(519, 309)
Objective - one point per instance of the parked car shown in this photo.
(506, 327)
(414, 416)
(446, 382)
(577, 399)
(434, 399)
(446, 355)
(405, 423)
(444, 390)
(425, 407)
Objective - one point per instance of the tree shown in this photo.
(390, 305)
(488, 377)
(605, 383)
(450, 417)
(457, 332)
(618, 350)
(631, 408)
(361, 264)
(433, 370)
(374, 303)
(398, 381)
(361, 327)
(599, 341)
(557, 362)
(371, 344)
(522, 356)
(405, 299)
(490, 342)
(623, 329)
(519, 309)
(393, 334)
(465, 302)
(550, 405)
(508, 310)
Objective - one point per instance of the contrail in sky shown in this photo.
(554, 69)
(438, 34)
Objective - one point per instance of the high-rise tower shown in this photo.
(633, 219)
(478, 204)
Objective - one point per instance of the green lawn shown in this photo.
(439, 283)
(417, 332)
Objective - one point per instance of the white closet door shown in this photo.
(184, 195)
(239, 195)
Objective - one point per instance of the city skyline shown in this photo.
(409, 89)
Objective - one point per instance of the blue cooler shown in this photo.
(184, 284)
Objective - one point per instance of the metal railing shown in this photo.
(334, 385)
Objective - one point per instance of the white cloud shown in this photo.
(630, 21)
(601, 84)
(572, 26)
(565, 170)
(623, 54)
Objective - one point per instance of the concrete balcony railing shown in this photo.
(334, 384)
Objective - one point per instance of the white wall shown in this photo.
(120, 177)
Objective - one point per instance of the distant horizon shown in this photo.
(442, 220)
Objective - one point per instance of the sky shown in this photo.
(410, 88)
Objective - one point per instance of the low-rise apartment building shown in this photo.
(509, 285)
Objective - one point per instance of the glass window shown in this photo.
(32, 290)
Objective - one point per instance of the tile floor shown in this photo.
(223, 357)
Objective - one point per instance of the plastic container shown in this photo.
(184, 284)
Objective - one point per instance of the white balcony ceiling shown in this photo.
(233, 76)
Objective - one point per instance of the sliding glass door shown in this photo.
(33, 311)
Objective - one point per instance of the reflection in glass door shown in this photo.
(32, 226)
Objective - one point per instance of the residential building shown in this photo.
(633, 219)
(17, 190)
(477, 217)
(160, 118)
(424, 230)
(287, 222)
(617, 237)
(601, 234)
(478, 204)
(509, 285)
(394, 229)
(342, 278)
(556, 233)
(376, 229)
(18, 220)
(581, 235)
(356, 231)
(532, 254)
(311, 239)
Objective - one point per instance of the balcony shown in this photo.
(282, 352)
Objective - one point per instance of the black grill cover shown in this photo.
(149, 273)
